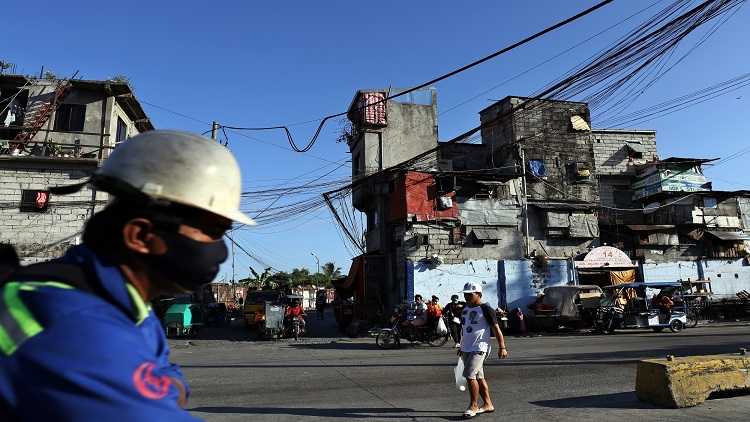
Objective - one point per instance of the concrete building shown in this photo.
(519, 211)
(56, 133)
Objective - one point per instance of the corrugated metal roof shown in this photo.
(486, 233)
(725, 235)
(649, 227)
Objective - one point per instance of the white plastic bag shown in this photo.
(459, 373)
(441, 328)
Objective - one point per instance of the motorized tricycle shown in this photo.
(183, 319)
(566, 306)
(254, 308)
(651, 305)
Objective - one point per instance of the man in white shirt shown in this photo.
(478, 320)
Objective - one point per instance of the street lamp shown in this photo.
(317, 260)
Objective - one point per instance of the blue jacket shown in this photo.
(70, 355)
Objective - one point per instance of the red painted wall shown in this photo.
(415, 194)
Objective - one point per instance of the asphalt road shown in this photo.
(551, 378)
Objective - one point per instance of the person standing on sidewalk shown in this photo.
(453, 312)
(477, 321)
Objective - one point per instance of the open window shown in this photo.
(579, 172)
(484, 236)
(635, 150)
(70, 117)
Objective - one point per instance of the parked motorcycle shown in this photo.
(389, 338)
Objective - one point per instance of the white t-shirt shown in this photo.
(476, 330)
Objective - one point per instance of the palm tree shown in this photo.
(331, 272)
(300, 276)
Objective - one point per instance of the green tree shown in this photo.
(259, 281)
(300, 276)
(331, 271)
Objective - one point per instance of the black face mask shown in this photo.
(188, 263)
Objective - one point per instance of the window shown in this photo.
(709, 202)
(34, 200)
(122, 131)
(622, 197)
(579, 172)
(70, 117)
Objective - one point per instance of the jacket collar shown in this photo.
(110, 282)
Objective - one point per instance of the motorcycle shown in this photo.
(389, 338)
(293, 327)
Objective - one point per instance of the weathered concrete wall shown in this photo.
(670, 271)
(541, 244)
(611, 153)
(546, 133)
(411, 130)
(30, 232)
(728, 277)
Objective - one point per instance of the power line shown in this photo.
(433, 81)
(562, 53)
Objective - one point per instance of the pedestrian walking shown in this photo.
(453, 312)
(77, 338)
(478, 320)
(320, 304)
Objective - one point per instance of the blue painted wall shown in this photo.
(521, 282)
(508, 283)
(449, 279)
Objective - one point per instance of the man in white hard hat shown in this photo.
(477, 321)
(77, 338)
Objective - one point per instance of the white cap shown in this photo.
(472, 288)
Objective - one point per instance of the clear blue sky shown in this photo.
(264, 63)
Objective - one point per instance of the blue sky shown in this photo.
(266, 63)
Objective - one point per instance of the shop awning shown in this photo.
(605, 257)
(729, 236)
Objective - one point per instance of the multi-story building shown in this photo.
(520, 210)
(56, 132)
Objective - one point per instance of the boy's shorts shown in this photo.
(473, 365)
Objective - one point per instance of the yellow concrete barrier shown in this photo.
(688, 381)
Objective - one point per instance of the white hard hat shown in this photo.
(180, 167)
(472, 288)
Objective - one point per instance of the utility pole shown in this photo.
(233, 273)
(214, 129)
(525, 201)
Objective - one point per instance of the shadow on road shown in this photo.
(348, 413)
(626, 400)
(335, 345)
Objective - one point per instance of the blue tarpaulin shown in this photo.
(536, 168)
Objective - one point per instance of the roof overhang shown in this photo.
(729, 236)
